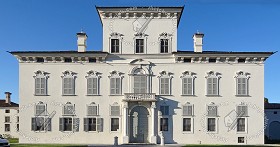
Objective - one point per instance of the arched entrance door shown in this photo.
(274, 129)
(139, 123)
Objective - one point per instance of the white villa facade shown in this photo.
(140, 88)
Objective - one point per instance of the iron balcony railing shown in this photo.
(139, 97)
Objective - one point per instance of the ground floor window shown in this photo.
(7, 128)
(40, 124)
(163, 124)
(211, 124)
(241, 125)
(241, 140)
(115, 125)
(187, 124)
(68, 124)
(90, 124)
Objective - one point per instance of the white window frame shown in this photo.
(167, 36)
(139, 70)
(168, 123)
(141, 36)
(41, 75)
(116, 74)
(73, 125)
(68, 104)
(93, 105)
(214, 75)
(214, 116)
(192, 125)
(96, 75)
(68, 74)
(115, 104)
(119, 37)
(242, 75)
(47, 127)
(191, 75)
(216, 125)
(163, 75)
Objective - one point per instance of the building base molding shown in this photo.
(154, 139)
(125, 139)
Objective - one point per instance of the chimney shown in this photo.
(8, 97)
(198, 42)
(82, 41)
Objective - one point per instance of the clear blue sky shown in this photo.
(229, 25)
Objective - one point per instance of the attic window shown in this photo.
(92, 60)
(242, 60)
(212, 60)
(187, 59)
(67, 60)
(40, 59)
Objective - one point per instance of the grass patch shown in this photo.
(13, 140)
(198, 145)
(46, 145)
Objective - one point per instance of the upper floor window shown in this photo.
(41, 82)
(140, 78)
(69, 109)
(40, 109)
(7, 111)
(164, 42)
(115, 42)
(187, 109)
(68, 80)
(93, 83)
(165, 83)
(140, 43)
(164, 109)
(212, 110)
(115, 110)
(212, 83)
(242, 83)
(115, 82)
(188, 83)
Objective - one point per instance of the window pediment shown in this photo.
(92, 73)
(41, 73)
(116, 35)
(242, 74)
(165, 74)
(69, 73)
(213, 74)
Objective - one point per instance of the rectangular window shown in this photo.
(17, 119)
(115, 124)
(163, 45)
(7, 128)
(17, 127)
(241, 140)
(115, 110)
(68, 86)
(40, 109)
(92, 110)
(164, 86)
(188, 110)
(139, 46)
(242, 111)
(115, 46)
(115, 86)
(140, 84)
(241, 86)
(241, 125)
(7, 111)
(212, 110)
(7, 119)
(40, 124)
(212, 86)
(163, 124)
(92, 84)
(40, 86)
(164, 110)
(187, 124)
(90, 124)
(68, 123)
(187, 86)
(211, 124)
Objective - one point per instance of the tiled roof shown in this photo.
(4, 104)
(272, 106)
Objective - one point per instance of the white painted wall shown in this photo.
(13, 121)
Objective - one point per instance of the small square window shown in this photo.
(212, 60)
(67, 60)
(241, 140)
(40, 59)
(242, 60)
(7, 111)
(92, 60)
(274, 112)
(7, 128)
(187, 60)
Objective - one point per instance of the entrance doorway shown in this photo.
(139, 123)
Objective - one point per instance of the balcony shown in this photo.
(140, 97)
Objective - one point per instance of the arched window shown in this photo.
(41, 82)
(93, 83)
(188, 83)
(68, 83)
(242, 83)
(212, 83)
(69, 109)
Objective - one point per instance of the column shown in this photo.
(153, 136)
(125, 123)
